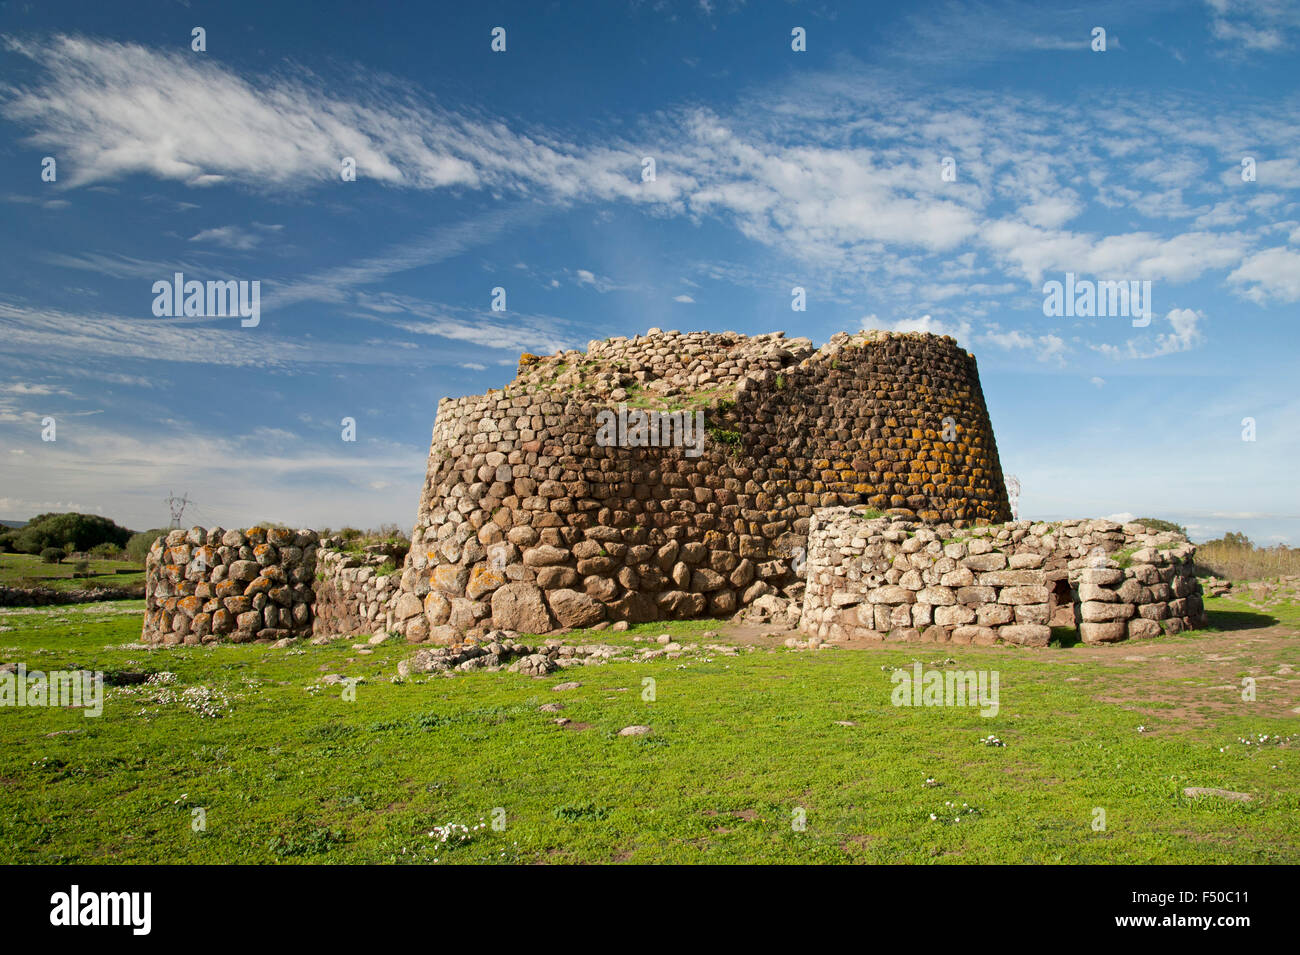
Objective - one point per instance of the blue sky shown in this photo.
(522, 169)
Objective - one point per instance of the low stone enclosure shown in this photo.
(670, 476)
(204, 585)
(877, 579)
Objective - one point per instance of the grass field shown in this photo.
(28, 570)
(290, 771)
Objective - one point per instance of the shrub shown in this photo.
(52, 555)
(81, 567)
(108, 550)
(137, 547)
(1234, 556)
(1156, 524)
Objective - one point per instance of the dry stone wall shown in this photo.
(204, 585)
(529, 522)
(44, 596)
(354, 595)
(877, 578)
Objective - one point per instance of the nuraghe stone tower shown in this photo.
(533, 519)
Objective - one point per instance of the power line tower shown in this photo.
(177, 507)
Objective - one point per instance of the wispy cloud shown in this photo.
(851, 188)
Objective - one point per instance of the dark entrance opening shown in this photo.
(1060, 604)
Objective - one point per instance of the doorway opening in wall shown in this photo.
(1062, 612)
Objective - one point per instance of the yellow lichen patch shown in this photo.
(482, 579)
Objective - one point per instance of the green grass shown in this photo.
(295, 774)
(27, 570)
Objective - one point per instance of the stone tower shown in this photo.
(561, 501)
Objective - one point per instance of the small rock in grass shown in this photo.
(535, 664)
(572, 685)
(634, 731)
(1195, 791)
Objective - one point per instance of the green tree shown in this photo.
(83, 531)
(1231, 539)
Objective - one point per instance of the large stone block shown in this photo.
(1108, 632)
(954, 616)
(1026, 634)
(1023, 595)
(519, 606)
(574, 609)
(1094, 611)
(938, 596)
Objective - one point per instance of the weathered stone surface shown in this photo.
(556, 578)
(1103, 632)
(1023, 595)
(985, 562)
(408, 605)
(1053, 574)
(1094, 611)
(1199, 792)
(437, 608)
(891, 594)
(519, 606)
(545, 556)
(537, 664)
(938, 596)
(574, 609)
(954, 616)
(1026, 634)
(482, 581)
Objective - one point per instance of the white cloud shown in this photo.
(1273, 274)
(77, 338)
(1045, 347)
(1253, 26)
(1185, 334)
(233, 237)
(684, 299)
(923, 323)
